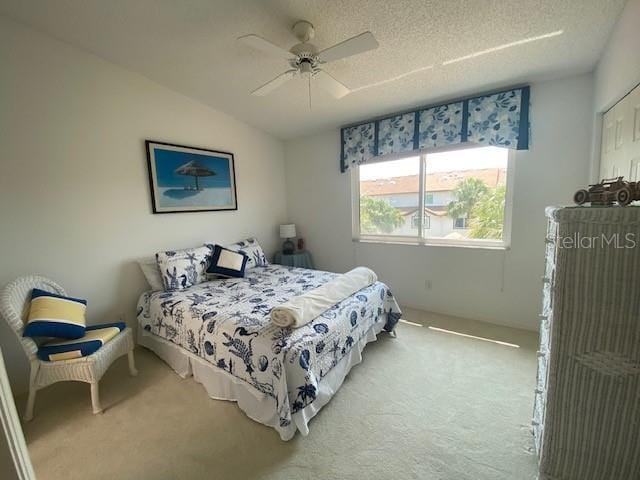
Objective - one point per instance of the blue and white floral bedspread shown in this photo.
(226, 322)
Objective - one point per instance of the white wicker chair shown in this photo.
(14, 307)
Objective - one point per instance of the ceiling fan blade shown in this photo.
(275, 83)
(353, 46)
(259, 43)
(331, 85)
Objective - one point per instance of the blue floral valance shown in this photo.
(500, 119)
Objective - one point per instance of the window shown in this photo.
(465, 198)
(461, 223)
(415, 221)
(388, 197)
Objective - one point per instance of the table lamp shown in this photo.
(288, 232)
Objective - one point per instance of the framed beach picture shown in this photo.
(189, 179)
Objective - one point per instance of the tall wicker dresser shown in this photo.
(586, 420)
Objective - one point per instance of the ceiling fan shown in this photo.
(306, 60)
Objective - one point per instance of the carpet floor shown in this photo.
(426, 405)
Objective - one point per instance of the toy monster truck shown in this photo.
(608, 191)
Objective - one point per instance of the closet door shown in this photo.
(621, 130)
(607, 154)
(633, 147)
(620, 154)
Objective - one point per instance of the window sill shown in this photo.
(416, 243)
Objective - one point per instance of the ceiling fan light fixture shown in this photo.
(306, 68)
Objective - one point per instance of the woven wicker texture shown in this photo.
(14, 305)
(586, 412)
(14, 308)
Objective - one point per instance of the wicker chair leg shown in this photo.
(31, 399)
(132, 364)
(95, 398)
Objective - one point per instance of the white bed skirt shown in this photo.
(221, 385)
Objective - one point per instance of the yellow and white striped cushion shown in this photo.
(95, 337)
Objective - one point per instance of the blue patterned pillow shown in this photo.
(183, 268)
(52, 315)
(93, 339)
(252, 249)
(227, 263)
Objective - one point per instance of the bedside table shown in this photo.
(300, 259)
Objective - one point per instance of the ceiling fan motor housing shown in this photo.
(303, 31)
(306, 53)
(305, 62)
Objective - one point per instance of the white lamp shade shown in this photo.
(288, 231)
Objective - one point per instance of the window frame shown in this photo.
(426, 217)
(465, 223)
(421, 239)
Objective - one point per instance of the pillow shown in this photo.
(94, 338)
(252, 249)
(52, 315)
(227, 263)
(149, 267)
(183, 268)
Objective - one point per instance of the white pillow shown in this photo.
(183, 268)
(252, 249)
(149, 267)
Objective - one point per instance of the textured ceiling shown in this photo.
(190, 46)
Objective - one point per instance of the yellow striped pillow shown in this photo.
(52, 315)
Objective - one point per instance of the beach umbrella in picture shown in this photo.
(195, 169)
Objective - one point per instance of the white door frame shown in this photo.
(12, 428)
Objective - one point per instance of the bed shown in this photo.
(220, 332)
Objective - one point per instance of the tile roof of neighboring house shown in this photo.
(435, 182)
(435, 210)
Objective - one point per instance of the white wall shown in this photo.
(74, 195)
(617, 72)
(618, 69)
(496, 286)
